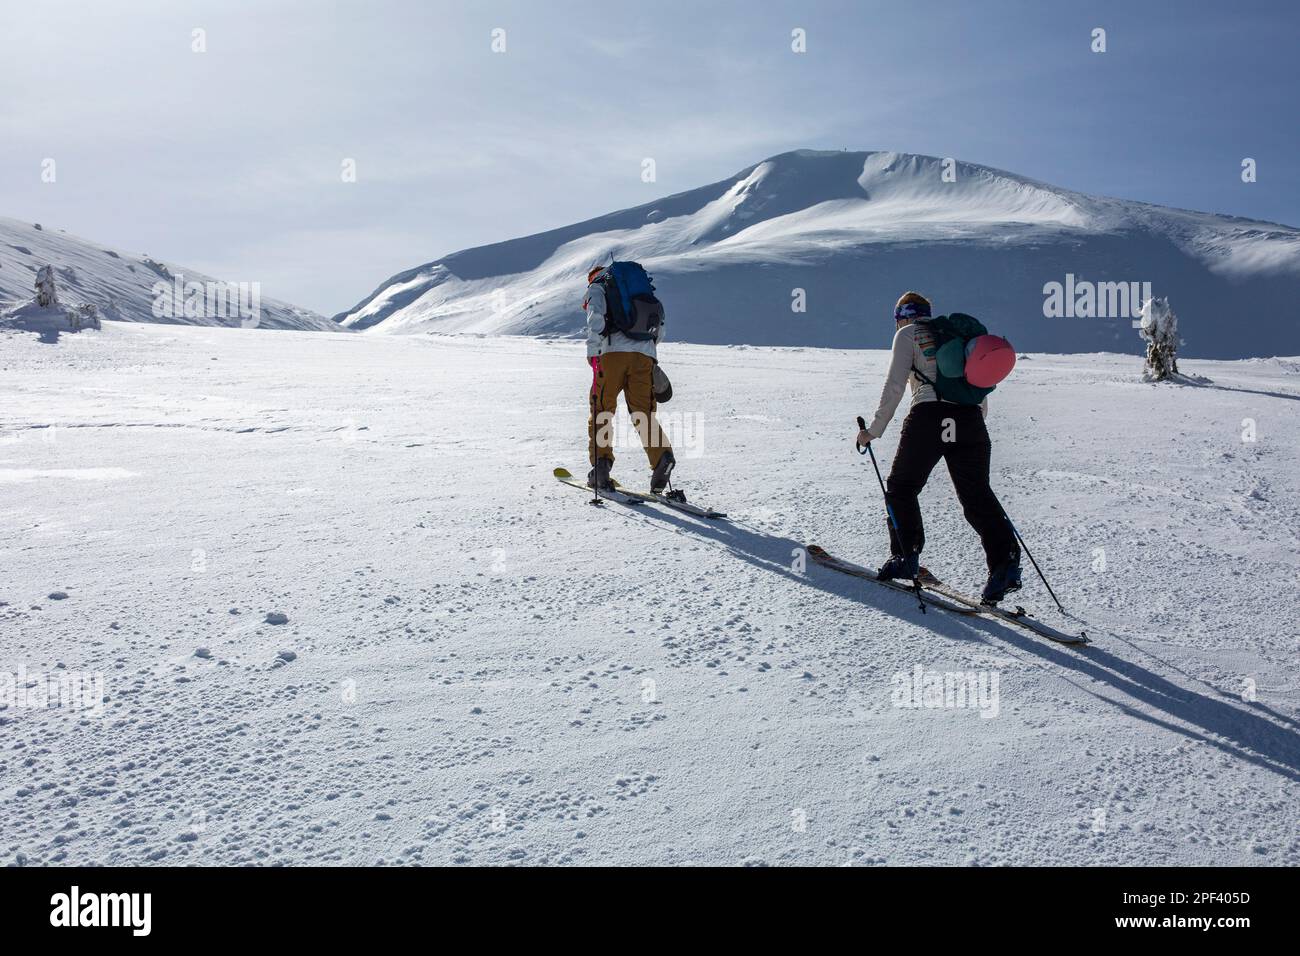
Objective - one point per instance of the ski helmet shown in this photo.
(663, 388)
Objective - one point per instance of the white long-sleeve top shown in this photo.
(914, 347)
(597, 344)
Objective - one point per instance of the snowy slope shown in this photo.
(119, 283)
(856, 229)
(486, 669)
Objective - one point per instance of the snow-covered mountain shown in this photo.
(118, 283)
(855, 229)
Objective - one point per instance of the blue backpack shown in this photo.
(630, 303)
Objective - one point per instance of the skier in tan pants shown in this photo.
(624, 365)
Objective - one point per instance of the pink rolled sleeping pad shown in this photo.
(989, 359)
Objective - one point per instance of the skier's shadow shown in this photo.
(787, 558)
(1290, 396)
(1243, 731)
(1240, 730)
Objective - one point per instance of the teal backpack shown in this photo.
(951, 335)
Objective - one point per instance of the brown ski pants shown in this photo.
(631, 374)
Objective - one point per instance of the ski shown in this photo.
(955, 602)
(678, 504)
(827, 560)
(1019, 616)
(607, 494)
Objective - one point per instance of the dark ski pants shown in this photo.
(955, 433)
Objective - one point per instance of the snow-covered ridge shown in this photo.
(118, 283)
(854, 229)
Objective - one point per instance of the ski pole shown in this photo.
(889, 509)
(595, 462)
(863, 450)
(1030, 555)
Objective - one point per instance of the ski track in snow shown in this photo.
(479, 667)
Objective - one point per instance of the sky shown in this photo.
(231, 160)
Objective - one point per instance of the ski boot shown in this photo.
(1003, 579)
(659, 477)
(899, 566)
(598, 477)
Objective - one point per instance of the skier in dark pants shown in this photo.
(936, 429)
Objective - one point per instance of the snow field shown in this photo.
(478, 667)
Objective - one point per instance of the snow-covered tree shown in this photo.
(84, 316)
(1160, 330)
(46, 295)
(46, 315)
